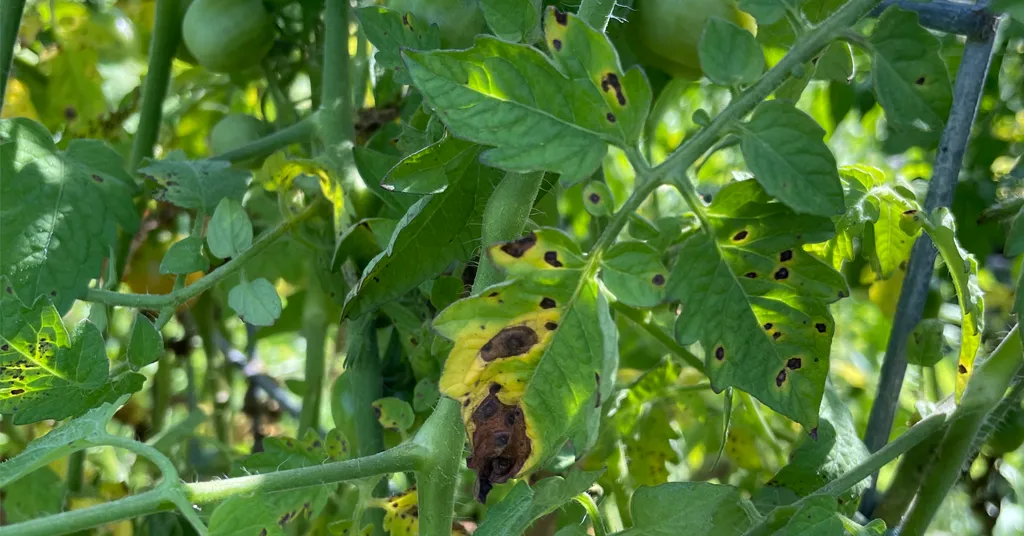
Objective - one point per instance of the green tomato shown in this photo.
(234, 131)
(665, 33)
(459, 20)
(228, 35)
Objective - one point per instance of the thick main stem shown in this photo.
(504, 219)
(166, 34)
(10, 21)
(314, 329)
(970, 83)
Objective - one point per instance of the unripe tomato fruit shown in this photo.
(459, 20)
(234, 131)
(228, 35)
(665, 33)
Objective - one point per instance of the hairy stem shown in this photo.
(10, 21)
(166, 34)
(588, 504)
(504, 219)
(970, 82)
(984, 391)
(442, 439)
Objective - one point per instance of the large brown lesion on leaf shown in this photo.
(517, 248)
(500, 443)
(509, 342)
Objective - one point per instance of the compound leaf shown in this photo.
(532, 358)
(59, 212)
(195, 184)
(390, 31)
(692, 508)
(757, 302)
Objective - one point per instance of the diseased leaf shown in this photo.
(195, 184)
(963, 270)
(59, 212)
(757, 302)
(279, 173)
(394, 413)
(816, 517)
(425, 395)
(512, 20)
(538, 116)
(525, 504)
(634, 273)
(924, 346)
(426, 171)
(256, 302)
(145, 345)
(391, 31)
(437, 230)
(691, 508)
(729, 55)
(184, 257)
(44, 373)
(229, 232)
(910, 78)
(783, 147)
(532, 358)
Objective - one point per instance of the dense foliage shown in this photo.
(494, 267)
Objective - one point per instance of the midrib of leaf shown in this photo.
(765, 145)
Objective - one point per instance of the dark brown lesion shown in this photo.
(551, 257)
(561, 18)
(610, 82)
(509, 342)
(500, 444)
(517, 248)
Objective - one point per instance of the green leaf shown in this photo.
(256, 302)
(1015, 238)
(963, 269)
(425, 395)
(37, 494)
(184, 257)
(525, 504)
(426, 171)
(373, 167)
(145, 345)
(875, 528)
(1014, 8)
(512, 20)
(59, 212)
(816, 517)
(634, 273)
(816, 461)
(910, 78)
(437, 230)
(394, 413)
(765, 11)
(514, 98)
(691, 508)
(598, 199)
(195, 184)
(729, 55)
(532, 358)
(391, 31)
(44, 373)
(229, 232)
(836, 63)
(757, 302)
(445, 291)
(73, 435)
(924, 347)
(783, 147)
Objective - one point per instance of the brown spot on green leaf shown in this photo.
(500, 444)
(610, 82)
(547, 303)
(509, 342)
(551, 257)
(517, 248)
(740, 235)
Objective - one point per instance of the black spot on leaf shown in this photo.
(97, 178)
(768, 325)
(962, 368)
(786, 255)
(595, 198)
(919, 81)
(776, 335)
(511, 341)
(517, 248)
(780, 378)
(561, 18)
(557, 43)
(610, 82)
(17, 391)
(794, 363)
(740, 235)
(611, 117)
(547, 303)
(821, 327)
(783, 273)
(750, 275)
(719, 353)
(551, 257)
(551, 326)
(658, 280)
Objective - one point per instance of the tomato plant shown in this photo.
(710, 267)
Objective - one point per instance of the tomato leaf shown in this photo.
(783, 147)
(910, 78)
(195, 184)
(757, 302)
(184, 257)
(37, 494)
(924, 346)
(229, 232)
(692, 508)
(390, 31)
(44, 373)
(512, 20)
(538, 116)
(525, 504)
(765, 11)
(394, 413)
(835, 63)
(729, 55)
(532, 358)
(634, 273)
(426, 171)
(145, 345)
(425, 395)
(815, 517)
(437, 230)
(59, 214)
(256, 302)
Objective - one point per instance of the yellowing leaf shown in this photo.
(279, 172)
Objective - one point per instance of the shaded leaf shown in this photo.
(195, 184)
(729, 55)
(525, 504)
(426, 171)
(279, 173)
(394, 413)
(184, 257)
(765, 11)
(924, 346)
(145, 345)
(390, 31)
(229, 231)
(692, 508)
(425, 395)
(757, 302)
(37, 494)
(512, 20)
(256, 302)
(816, 517)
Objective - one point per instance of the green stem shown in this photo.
(76, 470)
(314, 328)
(180, 296)
(295, 133)
(504, 219)
(907, 480)
(984, 390)
(596, 13)
(590, 506)
(161, 392)
(441, 439)
(336, 95)
(10, 21)
(71, 521)
(658, 334)
(166, 35)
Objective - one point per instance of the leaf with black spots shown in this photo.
(390, 31)
(633, 272)
(532, 358)
(394, 413)
(757, 302)
(195, 184)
